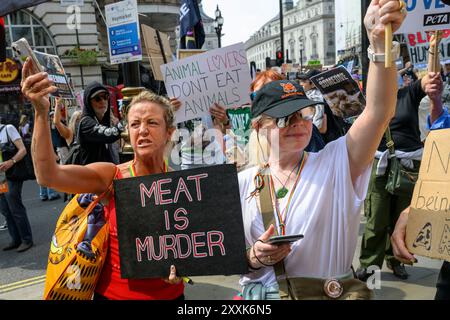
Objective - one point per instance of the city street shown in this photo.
(22, 275)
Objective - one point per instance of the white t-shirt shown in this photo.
(325, 208)
(12, 133)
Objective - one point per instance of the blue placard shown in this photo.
(124, 39)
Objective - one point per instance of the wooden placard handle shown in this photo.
(388, 46)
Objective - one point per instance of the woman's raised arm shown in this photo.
(94, 178)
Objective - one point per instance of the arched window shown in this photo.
(22, 24)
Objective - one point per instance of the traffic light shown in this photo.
(279, 58)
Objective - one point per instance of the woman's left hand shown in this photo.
(219, 113)
(173, 278)
(6, 165)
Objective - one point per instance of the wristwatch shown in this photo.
(381, 57)
(13, 160)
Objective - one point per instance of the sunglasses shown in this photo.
(306, 114)
(101, 97)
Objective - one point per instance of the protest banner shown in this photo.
(419, 43)
(425, 15)
(218, 76)
(153, 43)
(53, 66)
(428, 229)
(191, 219)
(123, 32)
(186, 53)
(341, 92)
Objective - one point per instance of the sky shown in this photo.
(242, 18)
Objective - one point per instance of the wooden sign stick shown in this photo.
(388, 40)
(434, 61)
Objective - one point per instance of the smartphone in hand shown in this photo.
(22, 50)
(277, 240)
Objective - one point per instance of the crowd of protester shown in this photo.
(325, 165)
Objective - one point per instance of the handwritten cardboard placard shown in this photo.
(428, 229)
(219, 76)
(419, 43)
(191, 219)
(153, 48)
(425, 15)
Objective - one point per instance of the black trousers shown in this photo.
(443, 283)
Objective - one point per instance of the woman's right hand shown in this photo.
(265, 254)
(36, 88)
(175, 103)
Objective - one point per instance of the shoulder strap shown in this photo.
(389, 141)
(266, 208)
(76, 138)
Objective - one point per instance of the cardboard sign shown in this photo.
(186, 53)
(419, 43)
(425, 15)
(428, 229)
(191, 219)
(123, 32)
(218, 76)
(53, 66)
(153, 47)
(341, 92)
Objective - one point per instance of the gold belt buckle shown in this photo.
(333, 288)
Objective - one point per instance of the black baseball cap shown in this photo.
(308, 75)
(280, 99)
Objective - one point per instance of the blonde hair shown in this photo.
(259, 147)
(73, 123)
(148, 96)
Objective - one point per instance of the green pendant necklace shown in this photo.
(283, 191)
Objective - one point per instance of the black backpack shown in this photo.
(74, 156)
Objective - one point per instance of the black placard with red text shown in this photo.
(191, 219)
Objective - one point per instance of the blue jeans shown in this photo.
(16, 215)
(45, 192)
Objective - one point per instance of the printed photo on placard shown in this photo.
(53, 66)
(341, 92)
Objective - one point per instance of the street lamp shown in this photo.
(218, 23)
(301, 54)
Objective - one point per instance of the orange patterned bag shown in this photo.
(74, 262)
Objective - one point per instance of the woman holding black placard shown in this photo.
(150, 125)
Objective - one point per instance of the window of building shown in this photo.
(21, 24)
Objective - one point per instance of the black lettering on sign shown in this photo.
(444, 246)
(436, 19)
(423, 239)
(191, 219)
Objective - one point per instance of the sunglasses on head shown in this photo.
(101, 97)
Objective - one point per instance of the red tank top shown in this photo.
(113, 287)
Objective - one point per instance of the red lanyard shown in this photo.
(281, 216)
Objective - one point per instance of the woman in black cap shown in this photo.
(318, 195)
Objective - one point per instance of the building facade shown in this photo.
(308, 34)
(51, 27)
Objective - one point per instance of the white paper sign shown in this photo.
(123, 32)
(219, 76)
(425, 15)
(418, 45)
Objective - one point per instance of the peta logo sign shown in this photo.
(436, 19)
(425, 15)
